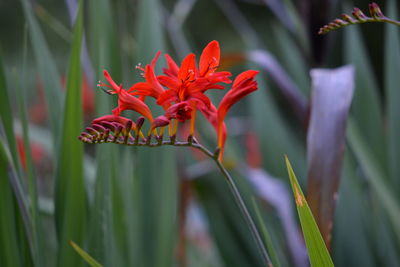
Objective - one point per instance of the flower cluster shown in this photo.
(180, 91)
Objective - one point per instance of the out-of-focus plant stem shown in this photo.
(237, 196)
(214, 156)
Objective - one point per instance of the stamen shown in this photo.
(193, 122)
(176, 122)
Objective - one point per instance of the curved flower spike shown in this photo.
(358, 17)
(243, 85)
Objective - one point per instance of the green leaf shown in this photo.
(31, 180)
(155, 185)
(392, 89)
(46, 67)
(6, 114)
(267, 236)
(317, 251)
(366, 96)
(373, 171)
(70, 192)
(92, 262)
(9, 247)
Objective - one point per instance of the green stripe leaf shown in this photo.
(70, 192)
(392, 89)
(317, 251)
(92, 262)
(46, 67)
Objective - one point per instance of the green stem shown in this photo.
(245, 212)
(228, 178)
(238, 199)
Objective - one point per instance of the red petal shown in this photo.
(169, 82)
(209, 59)
(160, 121)
(167, 97)
(129, 102)
(250, 74)
(153, 62)
(181, 111)
(111, 118)
(172, 69)
(111, 81)
(188, 67)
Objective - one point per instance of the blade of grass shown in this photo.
(9, 247)
(70, 192)
(6, 115)
(92, 262)
(330, 103)
(276, 140)
(46, 67)
(317, 251)
(392, 89)
(366, 96)
(227, 225)
(22, 217)
(31, 177)
(267, 236)
(375, 174)
(156, 177)
(29, 170)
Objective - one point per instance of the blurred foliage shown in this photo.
(170, 207)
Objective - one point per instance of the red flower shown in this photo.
(185, 93)
(243, 85)
(189, 82)
(125, 100)
(151, 87)
(181, 111)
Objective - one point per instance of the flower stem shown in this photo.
(214, 156)
(240, 203)
(245, 212)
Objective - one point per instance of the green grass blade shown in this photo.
(317, 251)
(9, 247)
(6, 115)
(70, 192)
(375, 174)
(392, 89)
(366, 95)
(11, 177)
(46, 67)
(31, 180)
(156, 183)
(266, 235)
(92, 262)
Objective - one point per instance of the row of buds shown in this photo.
(358, 17)
(117, 129)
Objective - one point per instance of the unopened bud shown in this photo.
(359, 15)
(375, 11)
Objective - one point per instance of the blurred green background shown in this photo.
(169, 206)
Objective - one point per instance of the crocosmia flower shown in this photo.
(181, 91)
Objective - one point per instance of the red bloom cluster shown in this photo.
(181, 92)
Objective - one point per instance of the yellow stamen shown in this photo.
(193, 122)
(176, 122)
(162, 131)
(170, 129)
